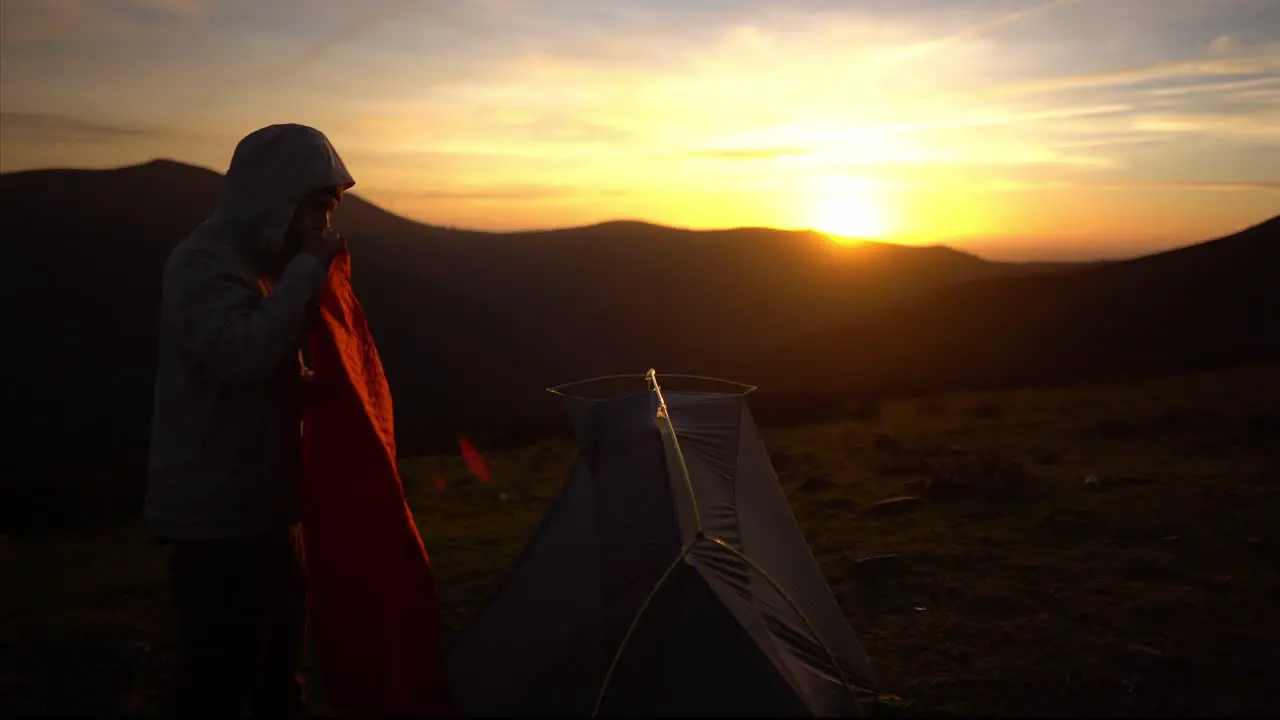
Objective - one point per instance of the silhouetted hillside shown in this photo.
(1206, 305)
(84, 254)
(472, 325)
(620, 297)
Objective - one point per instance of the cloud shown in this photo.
(1009, 117)
(62, 128)
(29, 21)
(1257, 60)
(366, 17)
(1224, 45)
(1214, 87)
(1261, 127)
(496, 193)
(56, 21)
(1104, 139)
(183, 8)
(1213, 186)
(764, 153)
(978, 30)
(1136, 185)
(555, 127)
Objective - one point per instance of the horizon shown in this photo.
(1018, 249)
(1011, 130)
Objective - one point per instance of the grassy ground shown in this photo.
(1019, 588)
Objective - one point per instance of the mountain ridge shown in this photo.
(169, 165)
(473, 326)
(1191, 308)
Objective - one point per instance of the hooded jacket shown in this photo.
(226, 455)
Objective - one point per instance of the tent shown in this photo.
(668, 577)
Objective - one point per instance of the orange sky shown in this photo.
(1011, 128)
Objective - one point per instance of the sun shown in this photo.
(849, 217)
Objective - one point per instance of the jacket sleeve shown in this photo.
(226, 323)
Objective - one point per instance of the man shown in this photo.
(225, 473)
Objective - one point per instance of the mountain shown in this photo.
(1206, 305)
(84, 251)
(472, 326)
(623, 297)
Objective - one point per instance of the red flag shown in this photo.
(374, 611)
(475, 463)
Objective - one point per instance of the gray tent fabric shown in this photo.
(680, 527)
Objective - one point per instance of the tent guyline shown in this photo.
(665, 423)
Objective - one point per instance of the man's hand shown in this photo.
(323, 244)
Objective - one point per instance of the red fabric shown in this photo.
(474, 461)
(374, 613)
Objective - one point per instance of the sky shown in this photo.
(1019, 129)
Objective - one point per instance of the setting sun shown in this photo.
(848, 208)
(850, 217)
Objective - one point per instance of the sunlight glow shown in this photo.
(943, 122)
(848, 209)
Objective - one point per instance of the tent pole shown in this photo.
(652, 378)
(604, 687)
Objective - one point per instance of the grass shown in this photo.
(1152, 591)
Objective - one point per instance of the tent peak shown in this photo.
(650, 379)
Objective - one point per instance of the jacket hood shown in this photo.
(271, 170)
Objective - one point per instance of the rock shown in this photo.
(896, 504)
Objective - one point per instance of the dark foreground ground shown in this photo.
(1102, 551)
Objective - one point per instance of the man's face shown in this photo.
(313, 215)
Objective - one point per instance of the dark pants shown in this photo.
(241, 626)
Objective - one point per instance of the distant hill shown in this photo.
(84, 250)
(626, 296)
(472, 325)
(1203, 306)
